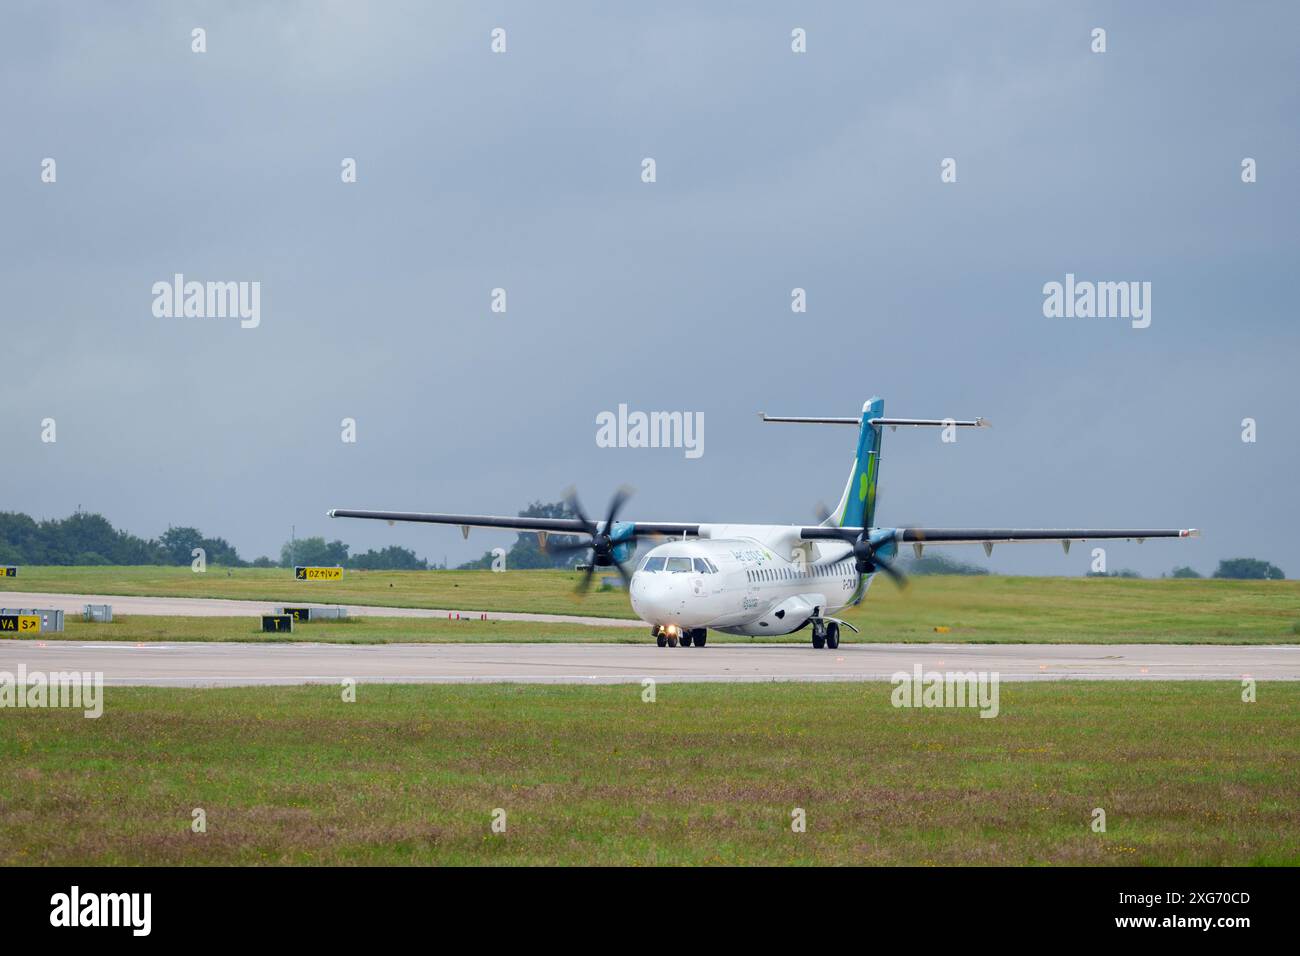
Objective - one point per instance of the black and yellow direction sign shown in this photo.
(318, 574)
(8, 571)
(20, 624)
(277, 623)
(298, 613)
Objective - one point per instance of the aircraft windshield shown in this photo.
(679, 564)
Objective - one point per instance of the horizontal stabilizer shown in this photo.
(892, 422)
(933, 422)
(809, 421)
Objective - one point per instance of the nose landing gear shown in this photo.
(670, 635)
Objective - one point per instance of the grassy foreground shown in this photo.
(982, 609)
(1186, 772)
(543, 592)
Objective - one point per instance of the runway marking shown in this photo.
(231, 681)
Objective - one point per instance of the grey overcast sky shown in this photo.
(775, 170)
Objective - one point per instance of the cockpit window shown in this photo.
(701, 566)
(679, 564)
(653, 564)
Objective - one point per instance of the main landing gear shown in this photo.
(670, 635)
(825, 634)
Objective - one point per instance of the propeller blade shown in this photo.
(601, 546)
(571, 498)
(616, 505)
(627, 578)
(895, 575)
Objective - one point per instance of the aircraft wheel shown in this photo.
(701, 636)
(832, 635)
(661, 640)
(672, 641)
(686, 638)
(819, 641)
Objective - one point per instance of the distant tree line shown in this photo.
(1238, 569)
(320, 553)
(89, 539)
(84, 539)
(936, 562)
(1234, 569)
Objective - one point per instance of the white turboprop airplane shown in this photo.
(760, 578)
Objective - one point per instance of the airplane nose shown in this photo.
(640, 594)
(663, 599)
(654, 600)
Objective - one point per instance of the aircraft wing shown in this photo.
(516, 523)
(991, 536)
(1000, 535)
(675, 529)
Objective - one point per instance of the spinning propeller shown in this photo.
(611, 543)
(867, 559)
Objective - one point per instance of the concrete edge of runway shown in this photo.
(198, 664)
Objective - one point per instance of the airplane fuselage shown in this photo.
(739, 585)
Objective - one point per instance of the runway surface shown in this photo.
(220, 607)
(230, 664)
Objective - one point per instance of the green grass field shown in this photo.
(708, 774)
(547, 592)
(361, 630)
(985, 609)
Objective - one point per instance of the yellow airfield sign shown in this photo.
(318, 574)
(20, 624)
